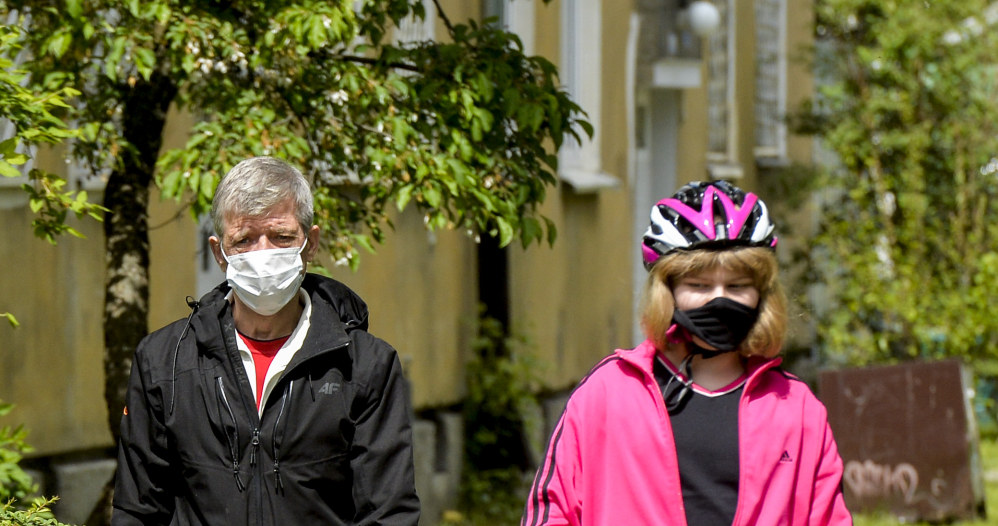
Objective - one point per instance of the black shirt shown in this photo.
(705, 431)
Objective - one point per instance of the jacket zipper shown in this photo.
(276, 439)
(233, 438)
(255, 444)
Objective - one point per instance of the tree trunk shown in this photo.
(126, 230)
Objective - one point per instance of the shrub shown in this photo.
(19, 503)
(14, 482)
(37, 514)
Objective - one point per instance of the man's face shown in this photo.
(278, 228)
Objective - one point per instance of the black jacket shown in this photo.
(333, 446)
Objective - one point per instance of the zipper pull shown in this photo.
(256, 445)
(277, 474)
(235, 473)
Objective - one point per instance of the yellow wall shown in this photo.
(573, 301)
(51, 366)
(421, 290)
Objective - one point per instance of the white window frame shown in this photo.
(412, 29)
(519, 17)
(722, 119)
(769, 117)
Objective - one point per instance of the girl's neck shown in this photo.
(710, 373)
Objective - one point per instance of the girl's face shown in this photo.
(697, 289)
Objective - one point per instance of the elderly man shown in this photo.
(270, 404)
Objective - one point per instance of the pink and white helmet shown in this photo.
(703, 215)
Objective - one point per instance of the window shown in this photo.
(581, 71)
(517, 16)
(719, 87)
(412, 29)
(720, 97)
(770, 79)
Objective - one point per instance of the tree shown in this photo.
(466, 129)
(29, 109)
(908, 240)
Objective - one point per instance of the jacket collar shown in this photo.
(340, 310)
(642, 357)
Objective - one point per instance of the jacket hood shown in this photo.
(351, 310)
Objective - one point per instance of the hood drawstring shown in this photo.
(311, 389)
(279, 435)
(194, 305)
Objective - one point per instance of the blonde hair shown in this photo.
(657, 305)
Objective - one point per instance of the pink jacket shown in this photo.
(611, 460)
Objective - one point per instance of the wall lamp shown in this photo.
(700, 16)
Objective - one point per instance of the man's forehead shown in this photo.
(276, 222)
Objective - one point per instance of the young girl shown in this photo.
(697, 425)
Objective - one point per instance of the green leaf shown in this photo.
(403, 197)
(13, 323)
(365, 242)
(552, 231)
(531, 230)
(145, 60)
(7, 170)
(505, 231)
(59, 43)
(432, 196)
(74, 8)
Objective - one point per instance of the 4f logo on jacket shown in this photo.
(329, 388)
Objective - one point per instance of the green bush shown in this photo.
(14, 482)
(37, 514)
(500, 413)
(19, 503)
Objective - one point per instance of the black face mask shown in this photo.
(721, 323)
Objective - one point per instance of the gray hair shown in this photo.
(256, 185)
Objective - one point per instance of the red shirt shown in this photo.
(263, 352)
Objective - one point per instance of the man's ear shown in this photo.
(312, 248)
(216, 250)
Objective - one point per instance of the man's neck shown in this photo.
(259, 327)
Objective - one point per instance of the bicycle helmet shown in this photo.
(704, 215)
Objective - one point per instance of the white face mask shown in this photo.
(266, 280)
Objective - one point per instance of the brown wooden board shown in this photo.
(908, 439)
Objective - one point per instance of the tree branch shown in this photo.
(443, 17)
(372, 61)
